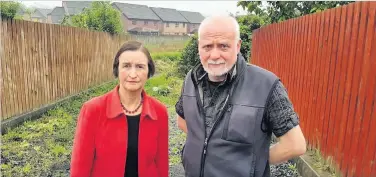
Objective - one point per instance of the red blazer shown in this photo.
(100, 142)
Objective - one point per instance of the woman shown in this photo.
(123, 132)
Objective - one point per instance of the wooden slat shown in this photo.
(334, 121)
(360, 92)
(316, 96)
(13, 70)
(358, 53)
(38, 69)
(53, 59)
(311, 128)
(369, 118)
(344, 77)
(7, 33)
(328, 75)
(365, 93)
(46, 65)
(16, 73)
(298, 60)
(304, 81)
(4, 68)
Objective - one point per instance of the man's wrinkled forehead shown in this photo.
(218, 24)
(216, 37)
(212, 31)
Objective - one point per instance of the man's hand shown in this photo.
(181, 124)
(291, 144)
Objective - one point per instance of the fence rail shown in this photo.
(42, 63)
(327, 61)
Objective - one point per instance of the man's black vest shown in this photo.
(236, 146)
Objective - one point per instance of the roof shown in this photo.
(39, 12)
(192, 17)
(76, 7)
(169, 15)
(57, 14)
(57, 11)
(134, 11)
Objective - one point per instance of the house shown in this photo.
(75, 7)
(173, 22)
(194, 19)
(138, 19)
(68, 8)
(56, 16)
(31, 14)
(40, 15)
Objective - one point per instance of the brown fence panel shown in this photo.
(327, 62)
(42, 63)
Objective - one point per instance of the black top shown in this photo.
(131, 166)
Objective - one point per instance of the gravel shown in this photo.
(281, 170)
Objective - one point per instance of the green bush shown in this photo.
(100, 16)
(247, 24)
(9, 9)
(189, 56)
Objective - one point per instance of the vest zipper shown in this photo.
(203, 155)
(210, 133)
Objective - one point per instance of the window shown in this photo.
(167, 24)
(134, 22)
(145, 22)
(155, 23)
(176, 25)
(183, 25)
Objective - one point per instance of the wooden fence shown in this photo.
(327, 61)
(42, 63)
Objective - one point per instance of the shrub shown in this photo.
(9, 9)
(189, 56)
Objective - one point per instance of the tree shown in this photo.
(101, 16)
(189, 56)
(247, 24)
(277, 11)
(9, 9)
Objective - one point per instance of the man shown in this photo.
(230, 109)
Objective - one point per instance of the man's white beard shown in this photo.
(217, 72)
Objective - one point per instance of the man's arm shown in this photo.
(290, 145)
(180, 114)
(181, 124)
(284, 122)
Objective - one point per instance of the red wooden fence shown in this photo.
(327, 61)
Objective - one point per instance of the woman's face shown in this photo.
(133, 70)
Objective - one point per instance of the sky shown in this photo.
(206, 8)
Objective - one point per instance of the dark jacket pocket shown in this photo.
(240, 124)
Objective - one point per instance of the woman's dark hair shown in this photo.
(133, 46)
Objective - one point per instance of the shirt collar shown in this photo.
(114, 108)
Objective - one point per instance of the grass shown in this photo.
(323, 164)
(166, 46)
(43, 147)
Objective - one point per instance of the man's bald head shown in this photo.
(218, 45)
(225, 22)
